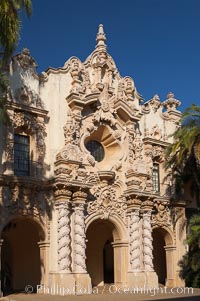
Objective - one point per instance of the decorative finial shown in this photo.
(171, 104)
(170, 95)
(101, 37)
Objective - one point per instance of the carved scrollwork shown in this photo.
(106, 112)
(107, 203)
(26, 200)
(23, 121)
(71, 153)
(138, 145)
(161, 217)
(72, 129)
(158, 152)
(135, 146)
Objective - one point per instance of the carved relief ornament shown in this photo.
(107, 203)
(161, 217)
(25, 60)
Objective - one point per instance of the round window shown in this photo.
(96, 149)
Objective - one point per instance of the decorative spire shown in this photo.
(101, 37)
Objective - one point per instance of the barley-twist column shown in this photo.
(147, 241)
(63, 197)
(79, 199)
(63, 237)
(134, 240)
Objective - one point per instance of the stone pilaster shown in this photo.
(8, 160)
(44, 256)
(170, 250)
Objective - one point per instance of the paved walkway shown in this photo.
(112, 295)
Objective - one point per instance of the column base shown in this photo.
(179, 282)
(60, 284)
(83, 284)
(136, 279)
(142, 280)
(151, 280)
(170, 283)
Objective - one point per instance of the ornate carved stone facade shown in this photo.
(90, 160)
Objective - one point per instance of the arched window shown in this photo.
(96, 149)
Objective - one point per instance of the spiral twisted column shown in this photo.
(79, 199)
(63, 240)
(147, 241)
(134, 228)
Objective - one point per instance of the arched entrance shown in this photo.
(20, 255)
(107, 254)
(163, 256)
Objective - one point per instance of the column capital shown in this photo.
(147, 206)
(120, 244)
(62, 194)
(79, 197)
(170, 247)
(134, 204)
(43, 244)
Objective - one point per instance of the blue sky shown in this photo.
(156, 42)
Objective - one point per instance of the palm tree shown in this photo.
(183, 157)
(190, 264)
(184, 154)
(10, 25)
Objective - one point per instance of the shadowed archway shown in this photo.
(20, 255)
(106, 251)
(163, 256)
